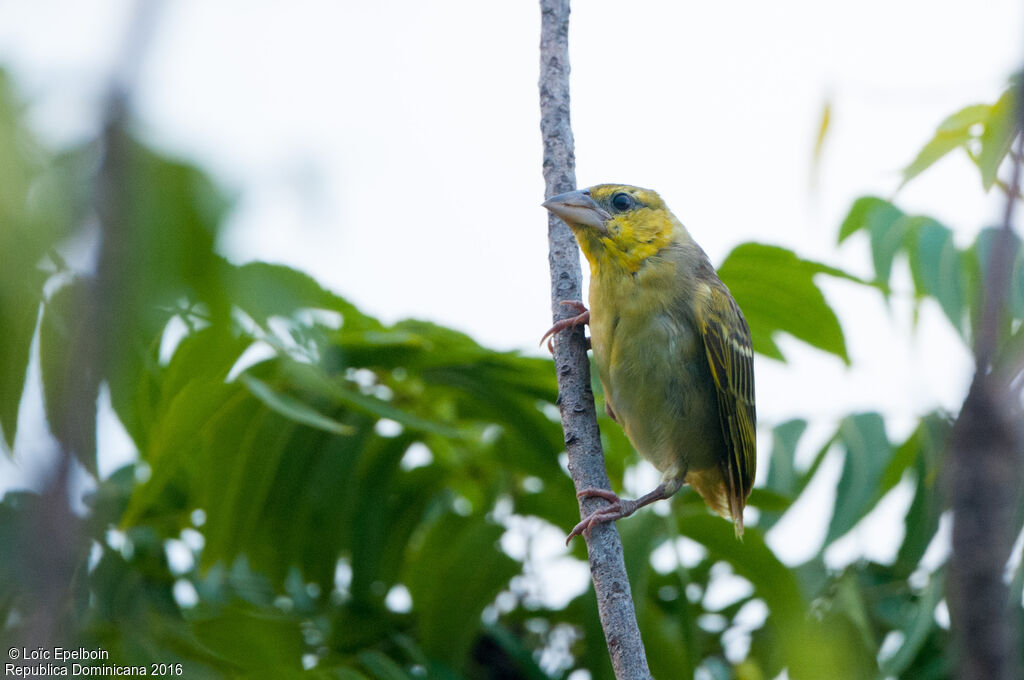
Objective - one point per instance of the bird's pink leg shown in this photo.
(582, 317)
(618, 509)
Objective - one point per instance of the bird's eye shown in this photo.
(622, 202)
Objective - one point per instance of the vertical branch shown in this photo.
(576, 400)
(985, 477)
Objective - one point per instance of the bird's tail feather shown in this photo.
(713, 487)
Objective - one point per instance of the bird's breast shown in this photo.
(655, 375)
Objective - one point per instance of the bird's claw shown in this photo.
(618, 509)
(582, 317)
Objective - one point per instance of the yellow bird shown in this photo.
(671, 346)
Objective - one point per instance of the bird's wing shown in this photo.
(731, 358)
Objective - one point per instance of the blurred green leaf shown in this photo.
(773, 581)
(252, 640)
(19, 308)
(867, 453)
(824, 126)
(938, 268)
(343, 673)
(298, 535)
(783, 478)
(292, 408)
(966, 117)
(380, 667)
(517, 652)
(776, 291)
(459, 562)
(28, 231)
(376, 507)
(61, 327)
(944, 141)
(263, 290)
(997, 137)
(922, 520)
(982, 255)
(313, 379)
(236, 494)
(921, 623)
(767, 500)
(886, 226)
(176, 442)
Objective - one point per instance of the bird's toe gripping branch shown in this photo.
(582, 317)
(619, 508)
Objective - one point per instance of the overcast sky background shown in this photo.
(392, 150)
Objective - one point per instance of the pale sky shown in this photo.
(392, 150)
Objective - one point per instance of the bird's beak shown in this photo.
(578, 208)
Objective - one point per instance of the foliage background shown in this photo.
(320, 492)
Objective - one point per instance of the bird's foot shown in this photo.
(617, 509)
(582, 317)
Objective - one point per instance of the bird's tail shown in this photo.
(713, 487)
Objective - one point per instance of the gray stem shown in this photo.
(984, 480)
(576, 400)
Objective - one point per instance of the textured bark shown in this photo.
(575, 398)
(985, 477)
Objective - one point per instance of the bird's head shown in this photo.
(617, 223)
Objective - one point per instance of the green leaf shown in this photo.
(175, 440)
(459, 570)
(252, 639)
(336, 389)
(902, 459)
(810, 649)
(997, 137)
(805, 478)
(987, 239)
(340, 673)
(938, 269)
(922, 520)
(751, 559)
(292, 408)
(849, 599)
(776, 291)
(920, 626)
(518, 652)
(397, 510)
(19, 310)
(887, 227)
(966, 117)
(768, 501)
(263, 290)
(887, 238)
(242, 454)
(824, 126)
(783, 478)
(381, 667)
(866, 211)
(944, 141)
(867, 453)
(30, 227)
(60, 336)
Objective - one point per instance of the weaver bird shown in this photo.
(671, 346)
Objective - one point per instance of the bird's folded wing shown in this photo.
(731, 358)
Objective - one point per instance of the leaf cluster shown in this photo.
(318, 493)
